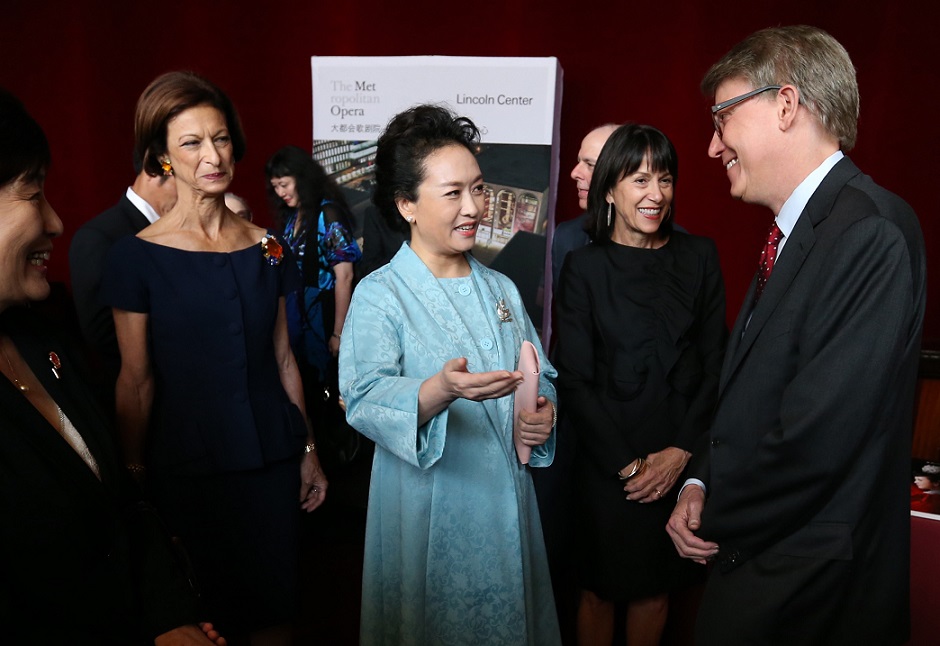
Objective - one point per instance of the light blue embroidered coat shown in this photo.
(454, 551)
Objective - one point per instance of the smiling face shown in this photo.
(200, 149)
(286, 189)
(27, 225)
(583, 171)
(641, 201)
(746, 145)
(449, 207)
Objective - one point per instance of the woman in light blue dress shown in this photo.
(454, 551)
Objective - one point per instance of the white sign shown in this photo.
(514, 102)
(511, 100)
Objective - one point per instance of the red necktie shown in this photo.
(767, 258)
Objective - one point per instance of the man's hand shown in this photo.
(190, 636)
(686, 518)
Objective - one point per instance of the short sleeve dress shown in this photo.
(641, 340)
(224, 443)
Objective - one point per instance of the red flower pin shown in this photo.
(56, 363)
(273, 251)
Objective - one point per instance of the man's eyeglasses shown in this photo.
(719, 119)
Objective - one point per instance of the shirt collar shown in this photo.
(798, 199)
(142, 205)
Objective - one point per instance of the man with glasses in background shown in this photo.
(801, 496)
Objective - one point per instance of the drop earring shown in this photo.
(608, 214)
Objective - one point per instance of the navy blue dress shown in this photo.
(225, 442)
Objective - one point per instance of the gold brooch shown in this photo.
(505, 316)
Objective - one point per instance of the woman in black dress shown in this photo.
(641, 336)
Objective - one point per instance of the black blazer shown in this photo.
(87, 253)
(809, 462)
(82, 561)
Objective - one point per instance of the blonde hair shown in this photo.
(803, 56)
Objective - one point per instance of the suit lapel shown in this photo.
(62, 390)
(797, 249)
(734, 342)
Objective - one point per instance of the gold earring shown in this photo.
(167, 167)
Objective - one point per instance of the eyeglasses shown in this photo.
(718, 119)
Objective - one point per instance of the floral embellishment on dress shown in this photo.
(272, 249)
(505, 316)
(56, 364)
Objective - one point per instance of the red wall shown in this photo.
(79, 67)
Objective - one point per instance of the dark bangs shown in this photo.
(640, 141)
(24, 149)
(621, 156)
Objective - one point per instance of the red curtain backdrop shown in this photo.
(79, 66)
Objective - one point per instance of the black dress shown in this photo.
(641, 340)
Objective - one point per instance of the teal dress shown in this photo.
(454, 551)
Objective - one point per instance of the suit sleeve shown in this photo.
(86, 266)
(844, 355)
(710, 337)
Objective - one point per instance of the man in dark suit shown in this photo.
(143, 203)
(801, 497)
(570, 235)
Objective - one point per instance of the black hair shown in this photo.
(409, 139)
(312, 182)
(625, 150)
(24, 149)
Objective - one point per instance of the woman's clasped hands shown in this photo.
(656, 476)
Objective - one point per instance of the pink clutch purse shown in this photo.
(526, 395)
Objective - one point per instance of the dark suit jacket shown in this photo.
(568, 236)
(809, 464)
(90, 245)
(82, 561)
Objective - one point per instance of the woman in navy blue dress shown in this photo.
(209, 399)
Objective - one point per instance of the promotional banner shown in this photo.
(515, 102)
